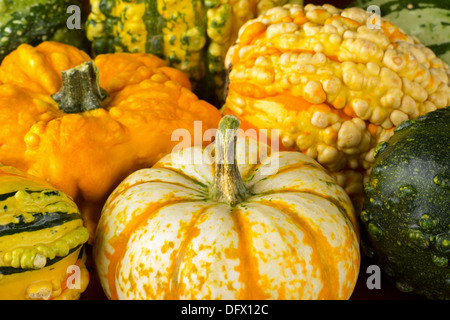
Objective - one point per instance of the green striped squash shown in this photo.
(191, 35)
(42, 234)
(429, 21)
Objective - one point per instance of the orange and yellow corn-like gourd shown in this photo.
(333, 84)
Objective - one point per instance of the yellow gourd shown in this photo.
(332, 83)
(42, 239)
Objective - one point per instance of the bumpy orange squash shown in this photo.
(250, 224)
(110, 118)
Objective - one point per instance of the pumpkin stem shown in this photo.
(80, 89)
(228, 186)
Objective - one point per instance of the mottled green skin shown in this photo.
(406, 213)
(35, 21)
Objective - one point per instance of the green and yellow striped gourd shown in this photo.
(42, 239)
(191, 35)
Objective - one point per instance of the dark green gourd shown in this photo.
(34, 21)
(406, 213)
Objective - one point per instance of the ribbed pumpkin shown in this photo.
(333, 82)
(85, 129)
(250, 224)
(41, 236)
(192, 36)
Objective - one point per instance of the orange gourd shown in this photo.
(85, 129)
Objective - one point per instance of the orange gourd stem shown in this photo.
(228, 186)
(80, 89)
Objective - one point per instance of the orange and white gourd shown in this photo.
(254, 225)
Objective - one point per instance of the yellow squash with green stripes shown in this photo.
(192, 35)
(42, 239)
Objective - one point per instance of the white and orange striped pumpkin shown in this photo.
(268, 227)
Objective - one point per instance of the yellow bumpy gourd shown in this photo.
(331, 84)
